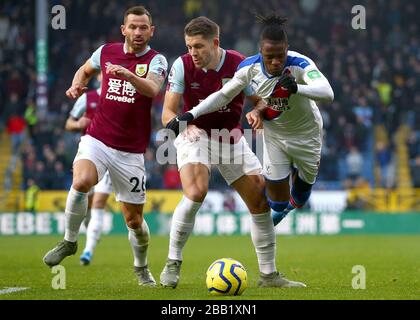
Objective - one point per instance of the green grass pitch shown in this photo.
(324, 263)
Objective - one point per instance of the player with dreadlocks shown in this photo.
(290, 83)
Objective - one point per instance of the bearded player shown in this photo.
(118, 135)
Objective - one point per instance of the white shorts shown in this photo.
(280, 155)
(232, 160)
(105, 185)
(126, 169)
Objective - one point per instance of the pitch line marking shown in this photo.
(12, 289)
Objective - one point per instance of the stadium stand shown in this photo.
(371, 130)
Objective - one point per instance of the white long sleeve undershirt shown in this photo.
(318, 91)
(219, 98)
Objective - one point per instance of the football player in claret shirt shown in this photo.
(118, 135)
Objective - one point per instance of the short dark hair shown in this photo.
(202, 26)
(138, 11)
(273, 27)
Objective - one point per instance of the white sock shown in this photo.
(76, 207)
(182, 225)
(264, 239)
(86, 221)
(139, 240)
(94, 229)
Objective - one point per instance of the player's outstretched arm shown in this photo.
(316, 86)
(213, 102)
(318, 91)
(80, 80)
(220, 98)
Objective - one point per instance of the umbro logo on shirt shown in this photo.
(195, 85)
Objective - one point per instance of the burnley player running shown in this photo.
(194, 76)
(118, 135)
(290, 83)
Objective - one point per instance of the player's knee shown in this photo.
(196, 193)
(259, 205)
(259, 202)
(82, 184)
(134, 222)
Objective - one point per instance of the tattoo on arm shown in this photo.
(156, 78)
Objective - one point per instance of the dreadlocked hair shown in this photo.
(273, 27)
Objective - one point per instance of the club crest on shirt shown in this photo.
(141, 69)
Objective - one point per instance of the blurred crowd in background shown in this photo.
(375, 74)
